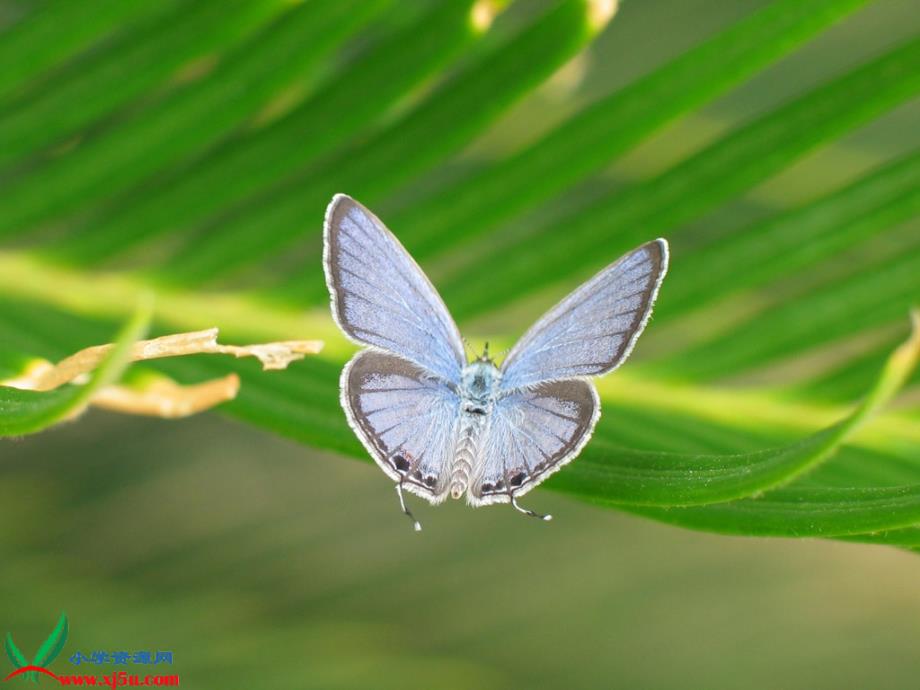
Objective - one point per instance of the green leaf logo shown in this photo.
(47, 653)
(12, 651)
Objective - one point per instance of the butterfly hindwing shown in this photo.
(533, 432)
(380, 296)
(592, 331)
(406, 419)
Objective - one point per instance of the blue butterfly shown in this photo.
(440, 426)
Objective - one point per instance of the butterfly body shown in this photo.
(441, 426)
(479, 386)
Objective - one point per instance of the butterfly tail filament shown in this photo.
(527, 511)
(416, 525)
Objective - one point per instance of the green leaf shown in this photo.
(57, 31)
(802, 512)
(196, 145)
(876, 293)
(481, 90)
(607, 475)
(142, 58)
(726, 168)
(337, 110)
(26, 412)
(586, 142)
(183, 123)
(833, 223)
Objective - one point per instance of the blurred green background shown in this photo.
(261, 564)
(266, 563)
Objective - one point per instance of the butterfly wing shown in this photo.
(380, 296)
(593, 330)
(533, 432)
(546, 412)
(405, 417)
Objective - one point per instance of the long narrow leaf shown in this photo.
(597, 135)
(140, 59)
(609, 476)
(797, 239)
(802, 512)
(289, 48)
(728, 167)
(874, 295)
(481, 91)
(55, 32)
(242, 166)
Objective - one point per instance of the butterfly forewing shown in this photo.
(593, 330)
(533, 432)
(380, 296)
(405, 417)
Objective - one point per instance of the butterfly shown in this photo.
(439, 425)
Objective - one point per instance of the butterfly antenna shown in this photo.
(518, 508)
(469, 348)
(402, 504)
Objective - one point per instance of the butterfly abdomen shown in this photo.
(467, 450)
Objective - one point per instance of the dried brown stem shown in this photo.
(163, 397)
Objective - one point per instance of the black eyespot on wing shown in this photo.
(517, 479)
(486, 488)
(400, 463)
(430, 480)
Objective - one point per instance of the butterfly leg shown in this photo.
(402, 504)
(518, 508)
